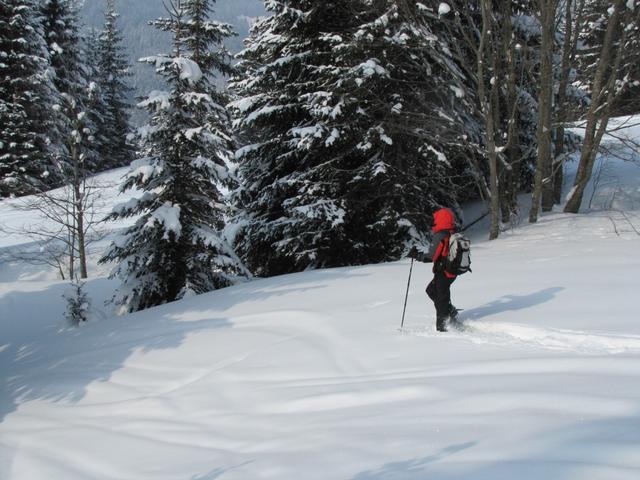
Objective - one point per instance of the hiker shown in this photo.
(439, 288)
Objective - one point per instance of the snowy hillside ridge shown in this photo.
(308, 375)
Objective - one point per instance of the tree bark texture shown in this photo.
(486, 105)
(543, 186)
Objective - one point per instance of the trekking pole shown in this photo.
(406, 295)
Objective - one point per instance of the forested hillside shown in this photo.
(345, 125)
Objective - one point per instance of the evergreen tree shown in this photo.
(70, 129)
(176, 248)
(419, 116)
(113, 71)
(78, 304)
(96, 104)
(349, 109)
(25, 165)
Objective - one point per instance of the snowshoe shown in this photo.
(441, 324)
(454, 321)
(457, 325)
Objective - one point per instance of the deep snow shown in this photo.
(307, 376)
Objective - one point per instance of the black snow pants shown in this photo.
(439, 291)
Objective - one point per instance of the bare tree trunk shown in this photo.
(543, 187)
(481, 181)
(569, 47)
(78, 194)
(600, 108)
(561, 115)
(61, 236)
(545, 134)
(486, 106)
(69, 215)
(71, 228)
(511, 174)
(78, 176)
(496, 167)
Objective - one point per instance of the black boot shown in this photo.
(453, 313)
(441, 324)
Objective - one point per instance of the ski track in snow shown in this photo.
(528, 337)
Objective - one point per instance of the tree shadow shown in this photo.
(218, 472)
(414, 468)
(580, 450)
(512, 303)
(40, 360)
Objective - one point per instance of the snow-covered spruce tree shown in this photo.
(96, 105)
(176, 248)
(347, 108)
(416, 119)
(113, 71)
(78, 304)
(71, 87)
(25, 166)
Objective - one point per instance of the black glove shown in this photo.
(418, 255)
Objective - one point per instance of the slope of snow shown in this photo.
(308, 375)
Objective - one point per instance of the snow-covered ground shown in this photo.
(308, 376)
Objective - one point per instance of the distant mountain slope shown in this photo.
(143, 40)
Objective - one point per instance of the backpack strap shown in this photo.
(441, 253)
(445, 246)
(445, 254)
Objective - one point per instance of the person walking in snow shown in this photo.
(439, 289)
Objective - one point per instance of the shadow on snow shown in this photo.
(512, 303)
(42, 360)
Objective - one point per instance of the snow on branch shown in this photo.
(145, 168)
(157, 98)
(189, 70)
(167, 215)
